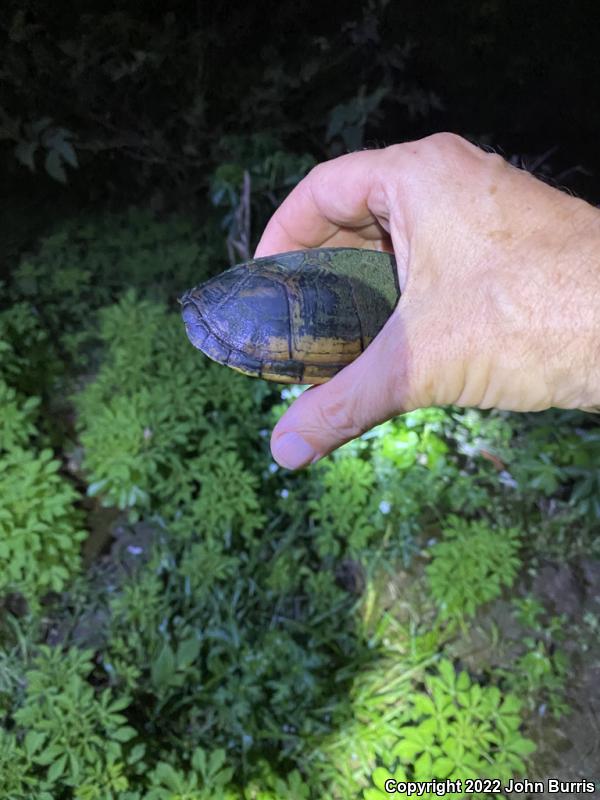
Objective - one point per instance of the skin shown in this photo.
(500, 280)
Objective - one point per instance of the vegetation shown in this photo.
(248, 639)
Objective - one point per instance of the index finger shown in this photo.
(342, 200)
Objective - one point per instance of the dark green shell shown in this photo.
(294, 317)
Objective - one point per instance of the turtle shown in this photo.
(296, 317)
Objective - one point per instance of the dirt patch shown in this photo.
(568, 747)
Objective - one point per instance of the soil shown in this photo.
(568, 748)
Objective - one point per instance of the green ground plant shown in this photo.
(40, 526)
(457, 730)
(167, 441)
(254, 645)
(471, 565)
(540, 671)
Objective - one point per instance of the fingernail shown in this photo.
(292, 451)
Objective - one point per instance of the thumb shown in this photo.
(368, 391)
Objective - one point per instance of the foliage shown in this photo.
(108, 107)
(343, 513)
(540, 671)
(39, 537)
(17, 423)
(208, 779)
(54, 141)
(470, 565)
(67, 729)
(249, 184)
(167, 441)
(190, 633)
(457, 730)
(28, 359)
(257, 634)
(85, 265)
(40, 530)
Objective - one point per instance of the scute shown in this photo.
(251, 316)
(295, 317)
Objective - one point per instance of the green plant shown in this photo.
(539, 673)
(293, 786)
(29, 361)
(217, 648)
(84, 265)
(162, 440)
(249, 183)
(470, 565)
(66, 727)
(342, 514)
(456, 729)
(54, 141)
(207, 780)
(17, 418)
(40, 529)
(18, 781)
(224, 613)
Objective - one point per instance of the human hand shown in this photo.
(500, 280)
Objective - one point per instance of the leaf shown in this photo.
(25, 152)
(57, 769)
(463, 682)
(424, 704)
(136, 754)
(49, 755)
(423, 767)
(54, 167)
(407, 749)
(187, 652)
(163, 667)
(59, 142)
(442, 767)
(522, 746)
(447, 673)
(216, 761)
(168, 776)
(124, 734)
(96, 487)
(199, 761)
(511, 704)
(33, 741)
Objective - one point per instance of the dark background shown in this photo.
(153, 97)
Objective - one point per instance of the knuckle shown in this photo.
(448, 155)
(450, 147)
(318, 174)
(446, 140)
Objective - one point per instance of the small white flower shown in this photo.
(134, 549)
(385, 507)
(507, 479)
(284, 493)
(292, 392)
(273, 467)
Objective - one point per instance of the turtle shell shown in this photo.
(294, 317)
